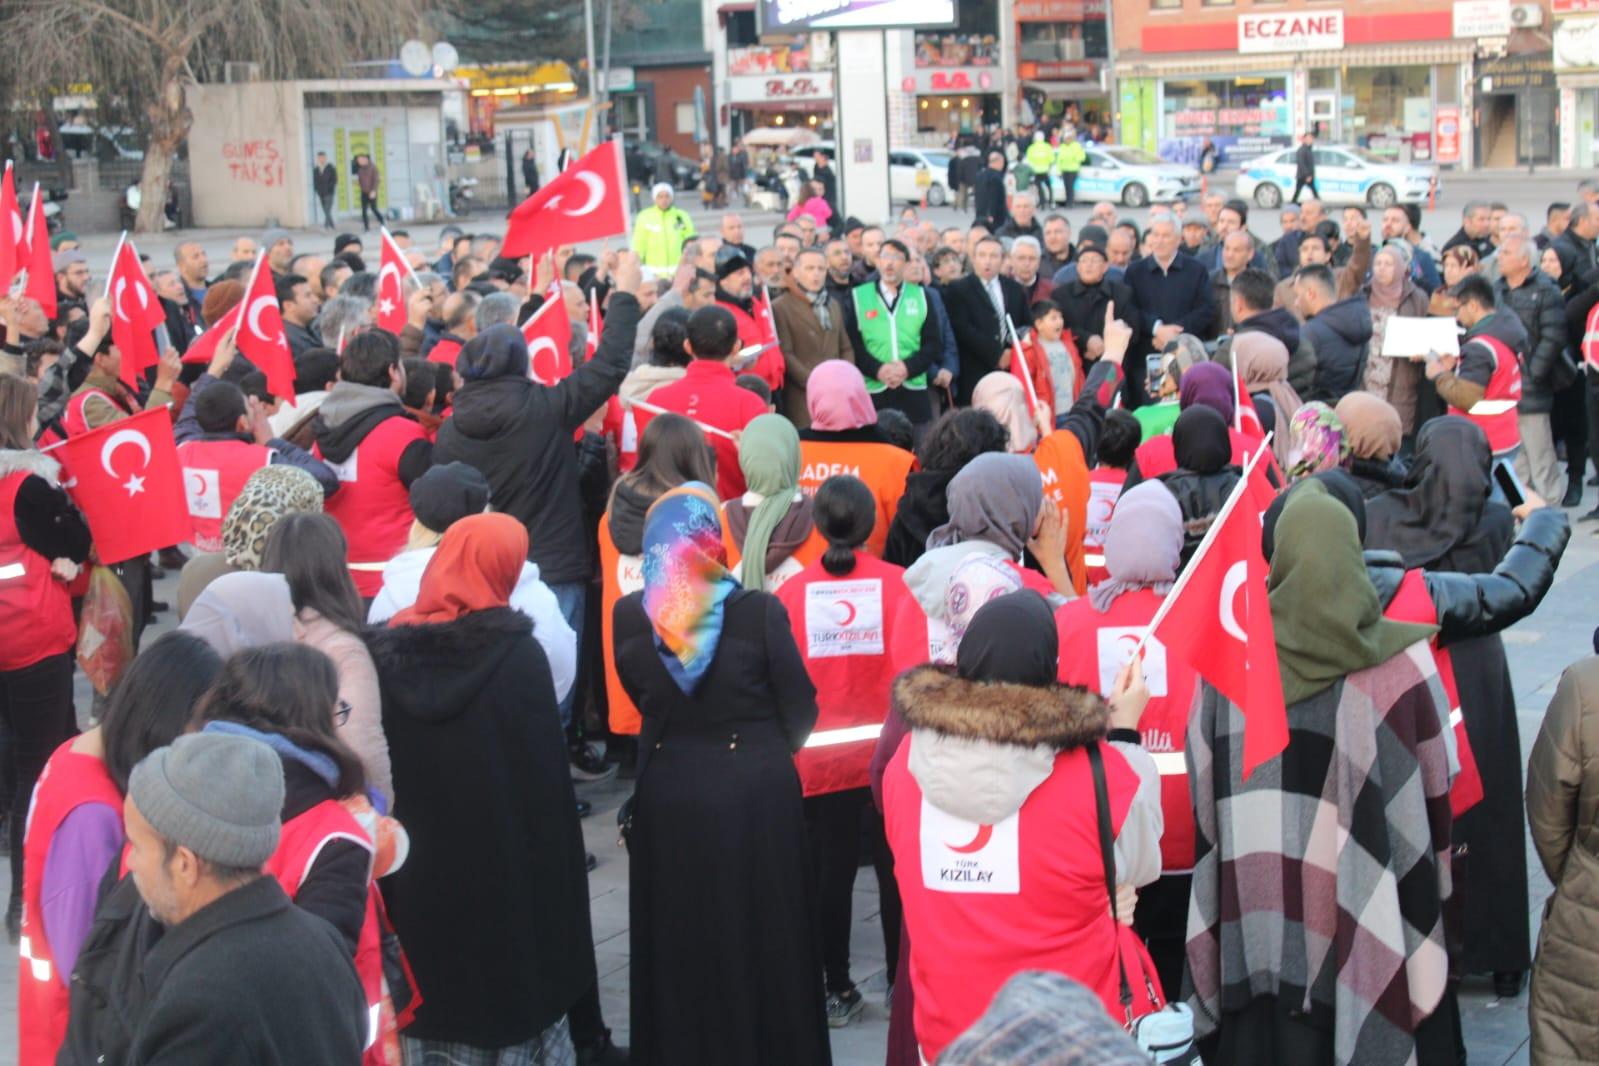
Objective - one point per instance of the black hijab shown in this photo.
(1011, 639)
(498, 352)
(1200, 440)
(1443, 503)
(1339, 485)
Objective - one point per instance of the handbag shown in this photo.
(1166, 1035)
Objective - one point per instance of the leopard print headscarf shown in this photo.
(272, 492)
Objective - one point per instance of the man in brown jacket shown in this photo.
(810, 329)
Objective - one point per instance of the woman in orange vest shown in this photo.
(672, 451)
(841, 608)
(1097, 635)
(769, 533)
(76, 832)
(843, 438)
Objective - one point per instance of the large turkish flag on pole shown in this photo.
(126, 479)
(11, 247)
(1217, 619)
(41, 265)
(585, 203)
(135, 312)
(389, 312)
(549, 339)
(261, 337)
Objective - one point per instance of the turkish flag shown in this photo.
(389, 312)
(135, 313)
(11, 245)
(585, 203)
(204, 347)
(549, 340)
(1218, 620)
(592, 343)
(1246, 419)
(261, 337)
(126, 479)
(40, 266)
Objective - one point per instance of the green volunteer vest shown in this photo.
(891, 338)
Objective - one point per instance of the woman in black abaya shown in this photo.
(1441, 519)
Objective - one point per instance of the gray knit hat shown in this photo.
(217, 795)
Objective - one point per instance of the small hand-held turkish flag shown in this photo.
(585, 203)
(1246, 419)
(261, 336)
(389, 312)
(549, 339)
(1218, 620)
(11, 247)
(592, 342)
(135, 313)
(204, 347)
(41, 267)
(126, 479)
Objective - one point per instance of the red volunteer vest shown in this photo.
(372, 506)
(985, 902)
(1504, 387)
(444, 351)
(36, 607)
(68, 781)
(1157, 456)
(73, 420)
(304, 836)
(841, 626)
(882, 467)
(769, 365)
(619, 575)
(1104, 489)
(1412, 603)
(915, 639)
(214, 473)
(1093, 647)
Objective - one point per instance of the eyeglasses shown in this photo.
(341, 713)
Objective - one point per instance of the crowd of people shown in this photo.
(838, 547)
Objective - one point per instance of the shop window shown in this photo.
(1243, 116)
(741, 29)
(683, 117)
(1217, 3)
(1166, 5)
(1388, 111)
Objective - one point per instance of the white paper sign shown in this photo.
(1404, 337)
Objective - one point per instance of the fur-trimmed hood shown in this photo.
(437, 670)
(30, 461)
(979, 748)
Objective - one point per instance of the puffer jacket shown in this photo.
(1542, 310)
(1201, 497)
(1339, 338)
(1563, 812)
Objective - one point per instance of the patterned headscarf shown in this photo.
(1318, 441)
(271, 492)
(686, 580)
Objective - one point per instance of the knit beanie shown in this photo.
(217, 795)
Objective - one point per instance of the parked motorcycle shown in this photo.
(461, 195)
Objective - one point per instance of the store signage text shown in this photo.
(1067, 70)
(1575, 7)
(1059, 10)
(1446, 133)
(951, 81)
(816, 85)
(1482, 18)
(1291, 32)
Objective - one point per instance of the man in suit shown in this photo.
(1173, 294)
(989, 193)
(977, 305)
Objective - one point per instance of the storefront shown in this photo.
(514, 85)
(1515, 110)
(1576, 70)
(1061, 50)
(955, 100)
(783, 100)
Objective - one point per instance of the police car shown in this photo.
(914, 174)
(1131, 177)
(1344, 175)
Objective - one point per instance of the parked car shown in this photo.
(1130, 176)
(1344, 175)
(651, 161)
(912, 172)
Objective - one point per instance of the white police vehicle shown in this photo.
(1130, 176)
(1344, 175)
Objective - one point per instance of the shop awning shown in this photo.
(1066, 90)
(1415, 53)
(735, 5)
(784, 105)
(1410, 54)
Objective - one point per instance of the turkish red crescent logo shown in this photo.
(199, 483)
(849, 613)
(977, 843)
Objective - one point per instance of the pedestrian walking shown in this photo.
(325, 182)
(367, 180)
(1305, 167)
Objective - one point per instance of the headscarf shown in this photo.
(1001, 395)
(1442, 500)
(686, 581)
(1387, 297)
(1324, 609)
(1371, 425)
(1339, 485)
(477, 564)
(1318, 441)
(1200, 441)
(498, 352)
(1011, 639)
(270, 493)
(242, 610)
(1209, 384)
(769, 455)
(1187, 351)
(995, 498)
(835, 396)
(1144, 545)
(1262, 362)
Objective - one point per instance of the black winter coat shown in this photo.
(1538, 303)
(1340, 337)
(1083, 307)
(493, 905)
(988, 204)
(519, 435)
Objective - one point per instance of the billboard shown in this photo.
(798, 16)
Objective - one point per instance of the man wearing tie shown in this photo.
(978, 305)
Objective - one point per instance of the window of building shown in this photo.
(683, 117)
(1165, 5)
(1243, 116)
(741, 29)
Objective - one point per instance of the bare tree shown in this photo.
(148, 52)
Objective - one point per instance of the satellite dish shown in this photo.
(415, 59)
(445, 57)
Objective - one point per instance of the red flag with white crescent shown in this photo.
(261, 336)
(549, 340)
(204, 347)
(592, 344)
(126, 479)
(389, 311)
(40, 264)
(11, 244)
(586, 202)
(135, 313)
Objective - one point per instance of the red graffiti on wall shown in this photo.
(255, 162)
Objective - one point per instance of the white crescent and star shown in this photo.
(389, 268)
(534, 347)
(596, 190)
(1237, 574)
(253, 319)
(135, 483)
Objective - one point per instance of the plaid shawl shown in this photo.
(1321, 880)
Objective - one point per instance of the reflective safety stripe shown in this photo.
(367, 568)
(11, 571)
(374, 1023)
(39, 967)
(1484, 408)
(1170, 763)
(1093, 559)
(1456, 716)
(829, 737)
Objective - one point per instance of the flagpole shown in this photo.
(1027, 374)
(1238, 397)
(645, 405)
(1204, 545)
(33, 202)
(110, 273)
